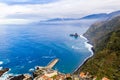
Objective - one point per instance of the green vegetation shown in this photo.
(106, 62)
(106, 41)
(100, 30)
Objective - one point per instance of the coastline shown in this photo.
(6, 74)
(90, 48)
(87, 45)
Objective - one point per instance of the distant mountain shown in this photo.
(61, 19)
(113, 14)
(102, 15)
(94, 16)
(105, 37)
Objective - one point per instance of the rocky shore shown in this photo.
(105, 38)
(47, 73)
(43, 73)
(2, 71)
(20, 77)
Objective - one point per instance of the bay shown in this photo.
(22, 47)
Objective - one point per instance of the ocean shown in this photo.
(22, 47)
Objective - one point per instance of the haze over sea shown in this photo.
(22, 47)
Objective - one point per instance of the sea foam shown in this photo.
(75, 47)
(48, 56)
(83, 37)
(1, 62)
(31, 70)
(1, 68)
(89, 47)
(6, 75)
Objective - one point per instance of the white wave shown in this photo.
(1, 68)
(1, 62)
(89, 47)
(48, 56)
(6, 75)
(31, 61)
(83, 37)
(74, 47)
(31, 70)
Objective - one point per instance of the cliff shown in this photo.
(105, 37)
(100, 30)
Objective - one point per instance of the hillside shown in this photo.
(99, 29)
(105, 36)
(94, 16)
(99, 16)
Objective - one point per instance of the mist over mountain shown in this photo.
(100, 16)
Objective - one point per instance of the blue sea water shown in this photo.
(23, 47)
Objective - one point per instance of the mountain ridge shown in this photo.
(105, 37)
(101, 16)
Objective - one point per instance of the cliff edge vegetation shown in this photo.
(105, 37)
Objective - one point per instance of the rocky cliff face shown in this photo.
(105, 37)
(100, 30)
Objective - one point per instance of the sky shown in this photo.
(27, 11)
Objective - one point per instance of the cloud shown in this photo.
(60, 8)
(15, 21)
(27, 1)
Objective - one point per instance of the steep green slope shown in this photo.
(106, 62)
(99, 29)
(105, 37)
